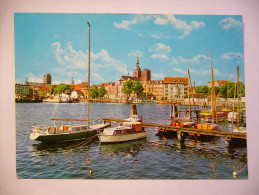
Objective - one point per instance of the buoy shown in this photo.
(91, 172)
(234, 174)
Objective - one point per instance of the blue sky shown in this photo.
(58, 44)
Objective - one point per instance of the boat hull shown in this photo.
(122, 137)
(67, 136)
(63, 137)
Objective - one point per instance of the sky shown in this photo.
(58, 44)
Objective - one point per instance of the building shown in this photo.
(217, 83)
(175, 88)
(22, 91)
(153, 89)
(47, 78)
(145, 75)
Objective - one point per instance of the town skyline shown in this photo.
(58, 44)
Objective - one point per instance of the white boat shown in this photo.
(52, 100)
(233, 116)
(126, 131)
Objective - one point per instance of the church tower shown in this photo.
(72, 81)
(47, 78)
(137, 70)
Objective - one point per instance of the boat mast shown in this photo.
(238, 95)
(189, 89)
(227, 90)
(88, 92)
(212, 90)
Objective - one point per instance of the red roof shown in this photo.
(176, 80)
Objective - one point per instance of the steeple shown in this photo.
(137, 70)
(72, 81)
(137, 64)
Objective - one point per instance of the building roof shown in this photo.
(129, 77)
(176, 80)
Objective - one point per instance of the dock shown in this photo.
(228, 136)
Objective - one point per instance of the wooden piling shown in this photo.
(134, 109)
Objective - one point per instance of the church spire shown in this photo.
(137, 64)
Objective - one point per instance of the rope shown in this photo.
(83, 143)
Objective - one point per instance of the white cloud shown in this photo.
(161, 36)
(160, 56)
(33, 78)
(231, 55)
(125, 24)
(140, 35)
(229, 22)
(158, 76)
(178, 60)
(156, 36)
(196, 59)
(180, 71)
(136, 53)
(181, 60)
(179, 24)
(161, 48)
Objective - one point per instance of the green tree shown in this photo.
(51, 89)
(101, 92)
(62, 88)
(205, 89)
(223, 90)
(94, 92)
(138, 88)
(127, 87)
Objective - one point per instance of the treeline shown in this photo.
(223, 90)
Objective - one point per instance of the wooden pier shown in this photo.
(228, 136)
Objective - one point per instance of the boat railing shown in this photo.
(40, 128)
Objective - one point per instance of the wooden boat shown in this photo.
(207, 116)
(72, 132)
(233, 116)
(64, 133)
(126, 131)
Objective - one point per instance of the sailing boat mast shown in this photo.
(212, 89)
(88, 92)
(189, 89)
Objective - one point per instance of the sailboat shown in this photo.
(242, 127)
(211, 125)
(70, 132)
(176, 120)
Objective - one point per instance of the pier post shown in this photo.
(179, 136)
(134, 109)
(227, 141)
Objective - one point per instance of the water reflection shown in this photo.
(127, 149)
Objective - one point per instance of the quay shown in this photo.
(228, 136)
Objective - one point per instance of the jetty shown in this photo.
(228, 136)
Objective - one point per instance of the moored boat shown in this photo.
(64, 133)
(126, 131)
(70, 132)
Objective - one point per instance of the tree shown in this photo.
(205, 89)
(51, 89)
(62, 88)
(101, 92)
(231, 90)
(127, 87)
(94, 92)
(137, 88)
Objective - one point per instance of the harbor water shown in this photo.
(156, 157)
